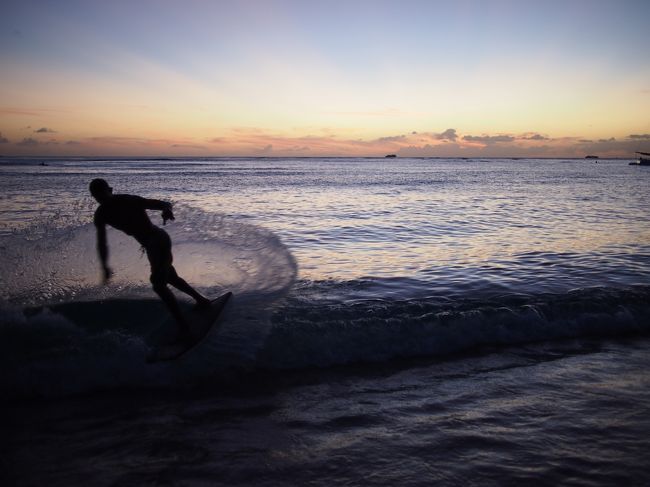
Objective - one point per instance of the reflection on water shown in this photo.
(516, 223)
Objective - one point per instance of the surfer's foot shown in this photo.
(202, 303)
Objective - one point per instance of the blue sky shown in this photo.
(324, 76)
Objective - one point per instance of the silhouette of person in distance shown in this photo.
(128, 213)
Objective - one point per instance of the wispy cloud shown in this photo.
(534, 137)
(188, 146)
(119, 140)
(449, 134)
(392, 138)
(449, 143)
(489, 139)
(30, 112)
(110, 139)
(18, 111)
(256, 141)
(27, 142)
(298, 149)
(450, 149)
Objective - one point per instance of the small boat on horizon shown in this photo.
(644, 159)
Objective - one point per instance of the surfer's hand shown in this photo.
(167, 214)
(108, 273)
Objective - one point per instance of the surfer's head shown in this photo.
(100, 189)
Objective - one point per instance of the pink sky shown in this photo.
(495, 78)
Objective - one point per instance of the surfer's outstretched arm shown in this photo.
(151, 204)
(164, 206)
(102, 250)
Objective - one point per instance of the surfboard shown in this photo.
(200, 321)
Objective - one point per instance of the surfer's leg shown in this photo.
(159, 255)
(162, 290)
(179, 283)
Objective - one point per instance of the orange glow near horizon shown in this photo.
(293, 80)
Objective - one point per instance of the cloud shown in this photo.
(449, 134)
(188, 146)
(489, 139)
(449, 149)
(3, 140)
(27, 142)
(249, 141)
(611, 147)
(118, 140)
(18, 111)
(449, 143)
(535, 137)
(30, 111)
(109, 139)
(296, 148)
(393, 138)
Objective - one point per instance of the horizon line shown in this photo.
(159, 157)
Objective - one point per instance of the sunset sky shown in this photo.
(312, 78)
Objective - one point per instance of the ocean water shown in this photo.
(412, 321)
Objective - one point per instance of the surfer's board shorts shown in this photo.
(159, 252)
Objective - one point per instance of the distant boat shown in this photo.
(390, 156)
(644, 159)
(591, 157)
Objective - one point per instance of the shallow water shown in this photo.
(412, 320)
(569, 414)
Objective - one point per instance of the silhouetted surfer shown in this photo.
(128, 213)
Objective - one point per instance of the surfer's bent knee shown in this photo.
(158, 281)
